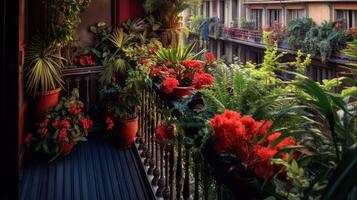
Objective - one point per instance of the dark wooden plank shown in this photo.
(94, 170)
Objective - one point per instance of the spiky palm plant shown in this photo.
(178, 54)
(116, 63)
(43, 68)
(326, 125)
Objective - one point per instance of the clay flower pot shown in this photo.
(67, 148)
(44, 101)
(127, 130)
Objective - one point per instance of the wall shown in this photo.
(319, 12)
(98, 10)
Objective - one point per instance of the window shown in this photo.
(207, 9)
(223, 49)
(295, 14)
(348, 16)
(202, 6)
(256, 16)
(222, 10)
(274, 15)
(234, 10)
(214, 9)
(214, 48)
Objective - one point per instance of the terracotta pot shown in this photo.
(180, 92)
(67, 148)
(44, 101)
(127, 130)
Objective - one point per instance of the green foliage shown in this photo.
(63, 125)
(42, 67)
(124, 76)
(177, 54)
(64, 17)
(325, 124)
(323, 40)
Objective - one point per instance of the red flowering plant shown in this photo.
(178, 67)
(249, 142)
(62, 128)
(165, 134)
(352, 32)
(83, 60)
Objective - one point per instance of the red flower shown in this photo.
(82, 61)
(155, 71)
(110, 123)
(164, 132)
(210, 57)
(62, 135)
(202, 79)
(73, 109)
(86, 123)
(144, 61)
(28, 140)
(264, 169)
(168, 64)
(192, 64)
(169, 84)
(160, 133)
(43, 132)
(238, 135)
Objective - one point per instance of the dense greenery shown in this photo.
(319, 40)
(322, 121)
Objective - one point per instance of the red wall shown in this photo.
(129, 9)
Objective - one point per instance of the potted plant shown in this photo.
(124, 77)
(63, 126)
(241, 149)
(43, 75)
(167, 13)
(180, 74)
(43, 56)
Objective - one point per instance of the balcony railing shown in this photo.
(173, 170)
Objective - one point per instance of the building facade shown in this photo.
(236, 16)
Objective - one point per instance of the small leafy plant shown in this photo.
(62, 128)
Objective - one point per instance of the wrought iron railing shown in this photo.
(173, 171)
(85, 79)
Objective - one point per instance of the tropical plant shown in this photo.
(325, 123)
(43, 69)
(63, 126)
(178, 54)
(125, 74)
(319, 40)
(64, 17)
(167, 13)
(116, 62)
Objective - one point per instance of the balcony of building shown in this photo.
(114, 100)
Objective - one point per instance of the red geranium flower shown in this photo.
(239, 135)
(73, 109)
(210, 57)
(169, 84)
(155, 71)
(62, 135)
(164, 132)
(110, 123)
(144, 61)
(202, 79)
(86, 123)
(192, 64)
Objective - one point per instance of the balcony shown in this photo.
(144, 114)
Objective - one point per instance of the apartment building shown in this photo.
(263, 13)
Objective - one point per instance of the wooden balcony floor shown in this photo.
(94, 170)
